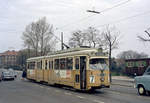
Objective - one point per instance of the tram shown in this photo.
(79, 68)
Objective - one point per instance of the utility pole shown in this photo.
(62, 44)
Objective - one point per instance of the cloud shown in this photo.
(16, 14)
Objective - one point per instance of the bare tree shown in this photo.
(31, 37)
(93, 37)
(77, 39)
(46, 34)
(38, 35)
(131, 55)
(146, 38)
(90, 37)
(111, 36)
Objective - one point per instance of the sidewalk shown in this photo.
(123, 78)
(122, 81)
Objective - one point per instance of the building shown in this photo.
(137, 66)
(8, 58)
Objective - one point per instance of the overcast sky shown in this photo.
(71, 15)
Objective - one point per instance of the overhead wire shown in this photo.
(117, 5)
(107, 9)
(124, 19)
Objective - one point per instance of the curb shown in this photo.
(132, 80)
(122, 85)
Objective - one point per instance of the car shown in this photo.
(0, 76)
(8, 75)
(13, 72)
(142, 83)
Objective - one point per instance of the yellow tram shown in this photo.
(80, 68)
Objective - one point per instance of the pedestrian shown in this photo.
(24, 74)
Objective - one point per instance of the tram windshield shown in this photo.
(98, 64)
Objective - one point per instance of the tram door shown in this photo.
(83, 72)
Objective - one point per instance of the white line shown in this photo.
(80, 97)
(97, 101)
(57, 91)
(36, 85)
(41, 87)
(68, 93)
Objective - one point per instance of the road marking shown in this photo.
(48, 88)
(57, 91)
(41, 87)
(114, 92)
(68, 93)
(97, 101)
(80, 97)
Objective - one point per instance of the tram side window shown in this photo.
(70, 63)
(45, 64)
(50, 64)
(63, 63)
(28, 66)
(31, 65)
(77, 63)
(39, 65)
(56, 63)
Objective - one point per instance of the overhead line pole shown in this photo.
(62, 46)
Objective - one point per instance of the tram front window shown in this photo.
(98, 64)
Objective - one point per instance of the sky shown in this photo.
(131, 18)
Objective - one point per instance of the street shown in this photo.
(19, 91)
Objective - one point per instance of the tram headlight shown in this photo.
(102, 79)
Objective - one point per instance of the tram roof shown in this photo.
(74, 51)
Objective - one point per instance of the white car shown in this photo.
(13, 72)
(0, 76)
(8, 75)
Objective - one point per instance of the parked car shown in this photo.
(142, 83)
(13, 72)
(8, 75)
(0, 76)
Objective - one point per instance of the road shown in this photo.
(28, 92)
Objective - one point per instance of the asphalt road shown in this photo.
(28, 92)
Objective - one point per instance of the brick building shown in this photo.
(137, 66)
(8, 58)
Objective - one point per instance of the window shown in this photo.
(141, 63)
(77, 78)
(63, 63)
(45, 64)
(130, 64)
(98, 64)
(39, 65)
(77, 63)
(50, 64)
(31, 65)
(56, 63)
(70, 63)
(28, 66)
(147, 72)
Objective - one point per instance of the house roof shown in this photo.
(13, 52)
(137, 59)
